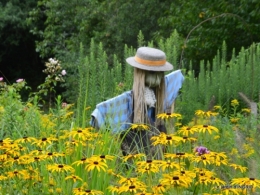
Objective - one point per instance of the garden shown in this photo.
(208, 149)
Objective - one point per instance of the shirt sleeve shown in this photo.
(115, 113)
(173, 83)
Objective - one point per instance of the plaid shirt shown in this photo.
(117, 113)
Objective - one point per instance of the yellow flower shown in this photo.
(234, 102)
(234, 120)
(25, 140)
(158, 189)
(246, 181)
(205, 114)
(241, 168)
(17, 173)
(167, 164)
(73, 177)
(132, 188)
(80, 134)
(206, 128)
(95, 163)
(205, 159)
(178, 155)
(148, 166)
(81, 191)
(168, 115)
(140, 127)
(176, 180)
(60, 168)
(44, 141)
(186, 131)
(135, 156)
(165, 139)
(246, 110)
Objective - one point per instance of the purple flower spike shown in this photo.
(202, 150)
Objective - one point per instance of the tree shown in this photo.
(206, 24)
(18, 57)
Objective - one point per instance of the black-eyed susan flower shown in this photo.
(178, 155)
(140, 127)
(159, 189)
(168, 115)
(133, 156)
(128, 181)
(204, 172)
(74, 178)
(60, 168)
(185, 173)
(95, 163)
(239, 167)
(104, 157)
(80, 162)
(188, 139)
(17, 173)
(81, 191)
(25, 139)
(219, 158)
(176, 180)
(205, 159)
(43, 142)
(113, 189)
(187, 131)
(132, 188)
(246, 181)
(169, 165)
(80, 134)
(231, 191)
(52, 155)
(166, 139)
(217, 181)
(206, 128)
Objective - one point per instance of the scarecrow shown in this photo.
(152, 93)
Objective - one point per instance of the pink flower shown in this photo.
(1, 79)
(63, 72)
(19, 80)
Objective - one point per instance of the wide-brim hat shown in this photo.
(148, 58)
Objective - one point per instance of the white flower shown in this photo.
(52, 61)
(1, 78)
(63, 72)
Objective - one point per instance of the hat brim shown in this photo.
(166, 67)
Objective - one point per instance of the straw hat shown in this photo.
(148, 58)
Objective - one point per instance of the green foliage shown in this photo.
(222, 79)
(207, 24)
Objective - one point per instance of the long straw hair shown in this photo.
(140, 106)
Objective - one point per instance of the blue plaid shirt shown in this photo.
(117, 113)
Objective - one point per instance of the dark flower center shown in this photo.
(16, 158)
(102, 156)
(95, 163)
(149, 161)
(83, 159)
(50, 154)
(131, 187)
(79, 131)
(205, 126)
(168, 113)
(60, 166)
(44, 139)
(87, 191)
(168, 138)
(180, 153)
(251, 178)
(175, 178)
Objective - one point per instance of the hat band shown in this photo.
(150, 62)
